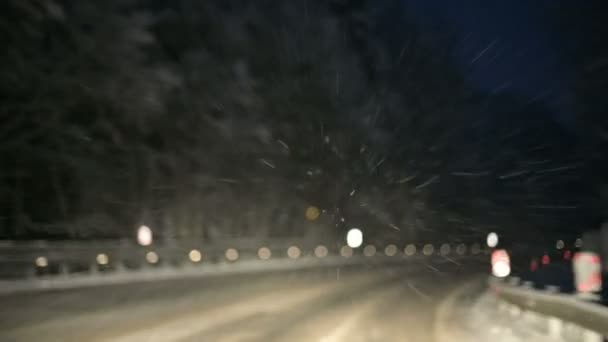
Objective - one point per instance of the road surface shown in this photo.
(355, 303)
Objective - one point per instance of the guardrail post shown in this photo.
(93, 268)
(555, 327)
(31, 272)
(120, 266)
(64, 269)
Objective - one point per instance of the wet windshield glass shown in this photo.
(336, 170)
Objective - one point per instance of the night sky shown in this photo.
(505, 47)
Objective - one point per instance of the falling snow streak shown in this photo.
(434, 269)
(428, 182)
(285, 146)
(377, 165)
(406, 179)
(451, 260)
(560, 168)
(418, 292)
(513, 174)
(267, 163)
(482, 52)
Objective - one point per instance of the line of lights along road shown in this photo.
(354, 239)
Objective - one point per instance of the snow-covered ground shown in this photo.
(492, 320)
(469, 316)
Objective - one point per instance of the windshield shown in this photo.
(342, 170)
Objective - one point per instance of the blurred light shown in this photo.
(567, 255)
(312, 213)
(346, 251)
(492, 240)
(231, 254)
(475, 248)
(102, 259)
(533, 265)
(264, 253)
(152, 257)
(293, 252)
(501, 263)
(444, 249)
(369, 250)
(559, 244)
(410, 250)
(578, 243)
(545, 260)
(501, 269)
(195, 255)
(461, 249)
(428, 249)
(587, 269)
(320, 251)
(354, 238)
(42, 261)
(390, 250)
(144, 236)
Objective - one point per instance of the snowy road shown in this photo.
(392, 303)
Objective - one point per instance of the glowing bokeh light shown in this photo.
(293, 252)
(102, 259)
(461, 249)
(492, 240)
(195, 255)
(533, 265)
(354, 238)
(369, 250)
(390, 250)
(501, 263)
(312, 213)
(42, 261)
(144, 236)
(545, 260)
(410, 250)
(152, 257)
(501, 268)
(231, 254)
(428, 249)
(264, 253)
(321, 251)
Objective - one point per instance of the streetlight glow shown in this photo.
(354, 238)
(144, 236)
(492, 240)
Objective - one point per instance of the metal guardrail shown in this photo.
(43, 261)
(71, 281)
(566, 315)
(56, 258)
